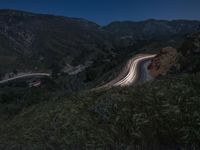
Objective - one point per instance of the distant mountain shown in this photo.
(38, 42)
(152, 29)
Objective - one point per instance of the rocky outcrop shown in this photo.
(163, 62)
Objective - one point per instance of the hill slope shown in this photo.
(157, 115)
(152, 29)
(43, 41)
(31, 41)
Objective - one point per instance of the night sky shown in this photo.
(106, 11)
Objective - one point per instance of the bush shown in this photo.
(157, 115)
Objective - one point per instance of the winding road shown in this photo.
(24, 76)
(131, 72)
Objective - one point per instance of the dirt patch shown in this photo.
(163, 62)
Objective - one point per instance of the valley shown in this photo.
(69, 83)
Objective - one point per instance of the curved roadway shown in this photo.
(131, 73)
(24, 76)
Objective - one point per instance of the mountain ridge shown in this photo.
(41, 42)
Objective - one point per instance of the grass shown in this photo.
(157, 115)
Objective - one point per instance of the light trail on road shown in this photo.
(24, 75)
(130, 73)
(128, 76)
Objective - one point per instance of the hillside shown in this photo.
(157, 115)
(152, 29)
(190, 50)
(47, 43)
(68, 111)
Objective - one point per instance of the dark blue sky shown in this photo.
(106, 11)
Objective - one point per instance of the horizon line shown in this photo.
(90, 20)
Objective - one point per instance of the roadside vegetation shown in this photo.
(156, 115)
